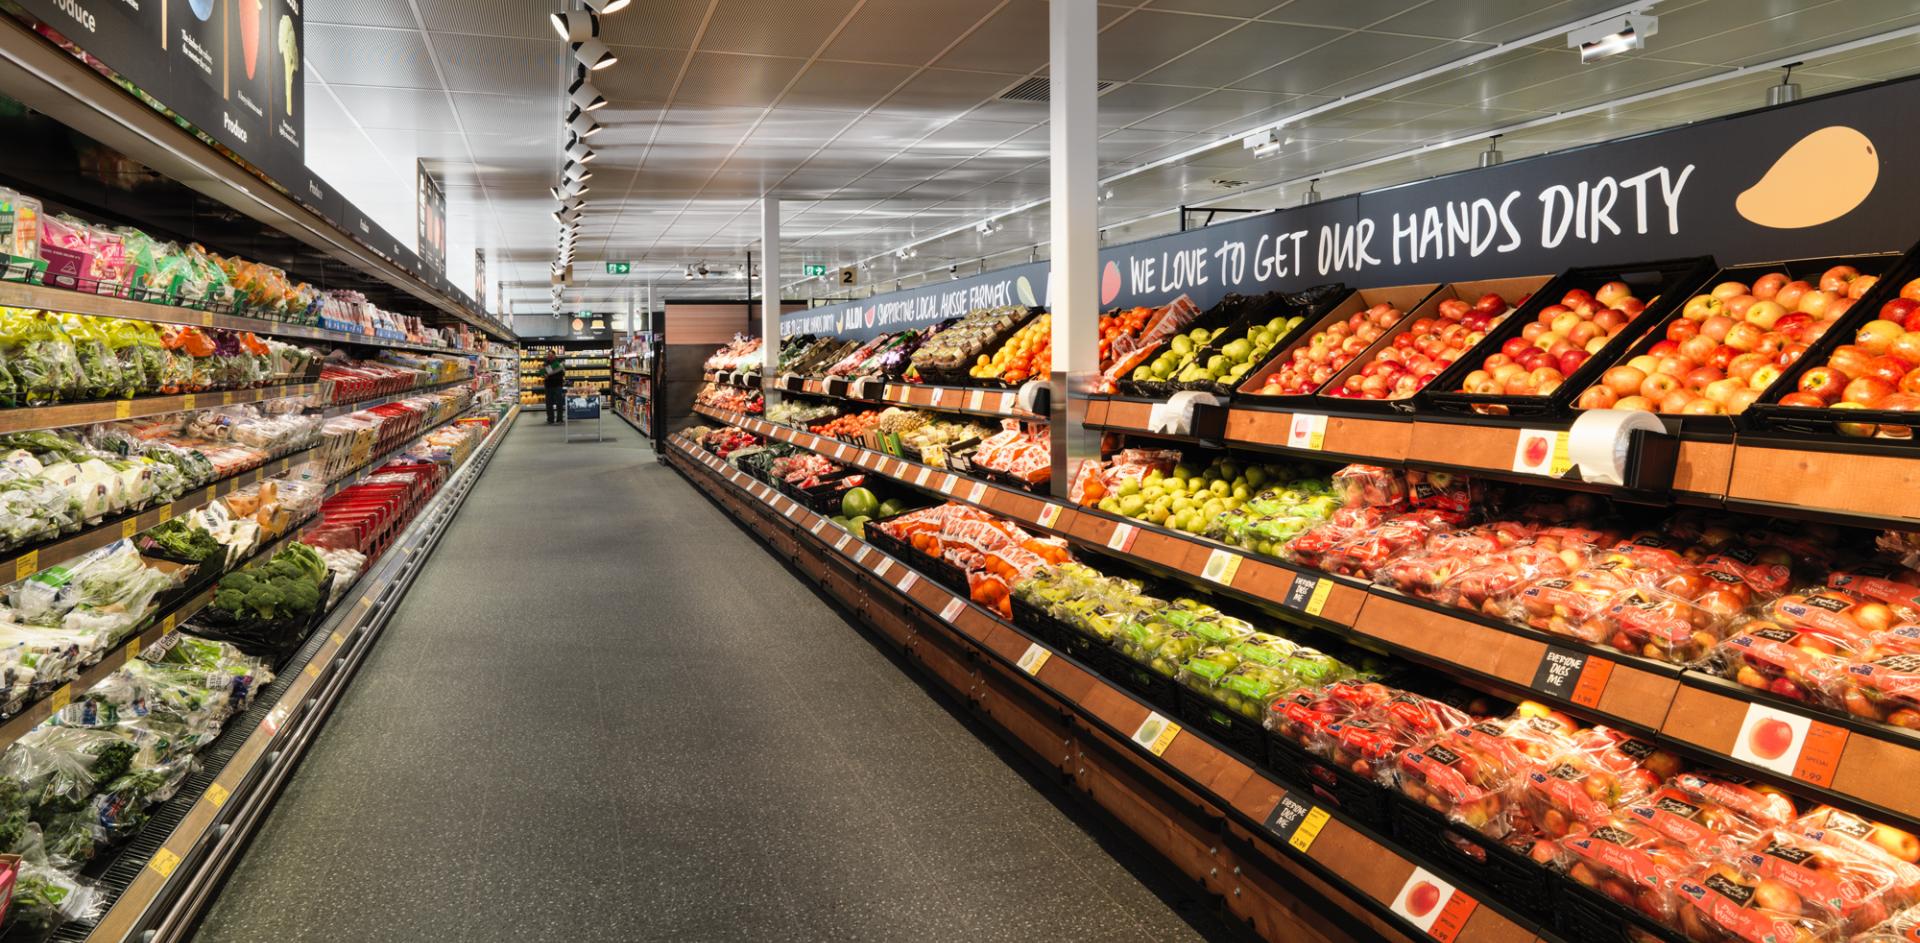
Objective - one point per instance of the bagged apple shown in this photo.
(1583, 786)
(1854, 889)
(1762, 804)
(1467, 774)
(1712, 829)
(1801, 662)
(1903, 927)
(1630, 863)
(1890, 847)
(1725, 902)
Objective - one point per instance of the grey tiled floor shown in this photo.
(605, 713)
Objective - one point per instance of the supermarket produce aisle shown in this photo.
(604, 712)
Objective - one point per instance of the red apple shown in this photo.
(1790, 354)
(1699, 377)
(1877, 337)
(1789, 294)
(1623, 380)
(1853, 428)
(1598, 396)
(1490, 304)
(1768, 285)
(1911, 290)
(1702, 307)
(1721, 391)
(1726, 290)
(1721, 356)
(1697, 348)
(1744, 366)
(1676, 401)
(1663, 349)
(1888, 369)
(1610, 319)
(1766, 314)
(1716, 326)
(1837, 278)
(1907, 347)
(1763, 377)
(1680, 329)
(1701, 406)
(1571, 361)
(1850, 360)
(1793, 325)
(1899, 310)
(1740, 400)
(1816, 302)
(1823, 382)
(1659, 385)
(1636, 403)
(1911, 382)
(1743, 336)
(1866, 390)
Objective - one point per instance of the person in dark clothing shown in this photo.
(554, 379)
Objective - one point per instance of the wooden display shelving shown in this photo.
(1872, 768)
(1291, 837)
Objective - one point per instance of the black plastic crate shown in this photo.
(938, 570)
(1583, 915)
(1058, 635)
(1517, 880)
(1163, 692)
(1202, 713)
(1669, 283)
(1362, 799)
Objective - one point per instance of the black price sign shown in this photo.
(1286, 815)
(1300, 592)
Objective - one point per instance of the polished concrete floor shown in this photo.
(604, 713)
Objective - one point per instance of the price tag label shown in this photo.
(26, 564)
(1122, 538)
(338, 639)
(313, 670)
(907, 582)
(1033, 658)
(1542, 452)
(819, 523)
(1156, 733)
(60, 698)
(226, 398)
(1221, 566)
(166, 512)
(1286, 818)
(939, 395)
(133, 648)
(951, 610)
(977, 491)
(921, 479)
(1572, 676)
(187, 401)
(1791, 744)
(1307, 431)
(841, 544)
(122, 408)
(949, 483)
(216, 795)
(977, 401)
(793, 510)
(166, 625)
(880, 569)
(163, 861)
(1049, 513)
(861, 557)
(206, 319)
(1308, 594)
(1433, 905)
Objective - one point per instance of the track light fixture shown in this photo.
(1787, 91)
(577, 150)
(1492, 156)
(566, 216)
(574, 170)
(584, 96)
(581, 124)
(577, 26)
(606, 6)
(569, 189)
(1614, 36)
(594, 54)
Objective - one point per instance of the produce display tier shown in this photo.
(1870, 768)
(46, 298)
(973, 401)
(25, 562)
(354, 406)
(33, 712)
(167, 874)
(1254, 840)
(1845, 482)
(350, 478)
(30, 418)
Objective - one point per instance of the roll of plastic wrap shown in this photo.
(1597, 442)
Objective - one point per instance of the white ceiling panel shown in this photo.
(498, 64)
(1247, 49)
(1143, 40)
(797, 28)
(719, 78)
(906, 32)
(1347, 14)
(356, 55)
(846, 86)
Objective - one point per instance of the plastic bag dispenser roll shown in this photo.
(1598, 440)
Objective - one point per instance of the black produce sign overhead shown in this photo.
(1822, 176)
(230, 67)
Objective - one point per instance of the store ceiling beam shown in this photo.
(53, 82)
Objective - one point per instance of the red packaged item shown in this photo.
(1894, 848)
(1304, 717)
(1711, 829)
(1662, 626)
(1768, 808)
(1488, 584)
(1572, 604)
(1903, 927)
(1371, 486)
(1800, 663)
(1312, 545)
(1630, 863)
(1891, 584)
(1582, 787)
(1366, 742)
(1726, 903)
(1855, 890)
(1467, 775)
(1441, 491)
(1887, 688)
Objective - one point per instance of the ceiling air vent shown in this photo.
(1038, 90)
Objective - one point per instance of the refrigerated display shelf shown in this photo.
(160, 880)
(30, 418)
(354, 406)
(1283, 824)
(1870, 768)
(25, 562)
(43, 297)
(361, 471)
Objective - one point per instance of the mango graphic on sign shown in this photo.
(1109, 283)
(1821, 178)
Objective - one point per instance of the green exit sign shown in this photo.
(619, 268)
(812, 271)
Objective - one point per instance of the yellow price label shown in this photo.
(1033, 659)
(226, 398)
(26, 565)
(1156, 733)
(187, 401)
(1049, 514)
(1309, 829)
(313, 670)
(129, 527)
(206, 319)
(164, 861)
(1318, 601)
(59, 699)
(166, 625)
(133, 648)
(1221, 566)
(216, 795)
(166, 512)
(1562, 460)
(122, 408)
(338, 639)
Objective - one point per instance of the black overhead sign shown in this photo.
(230, 67)
(1822, 176)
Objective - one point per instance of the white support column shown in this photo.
(1074, 287)
(769, 288)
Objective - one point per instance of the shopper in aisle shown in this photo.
(554, 378)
